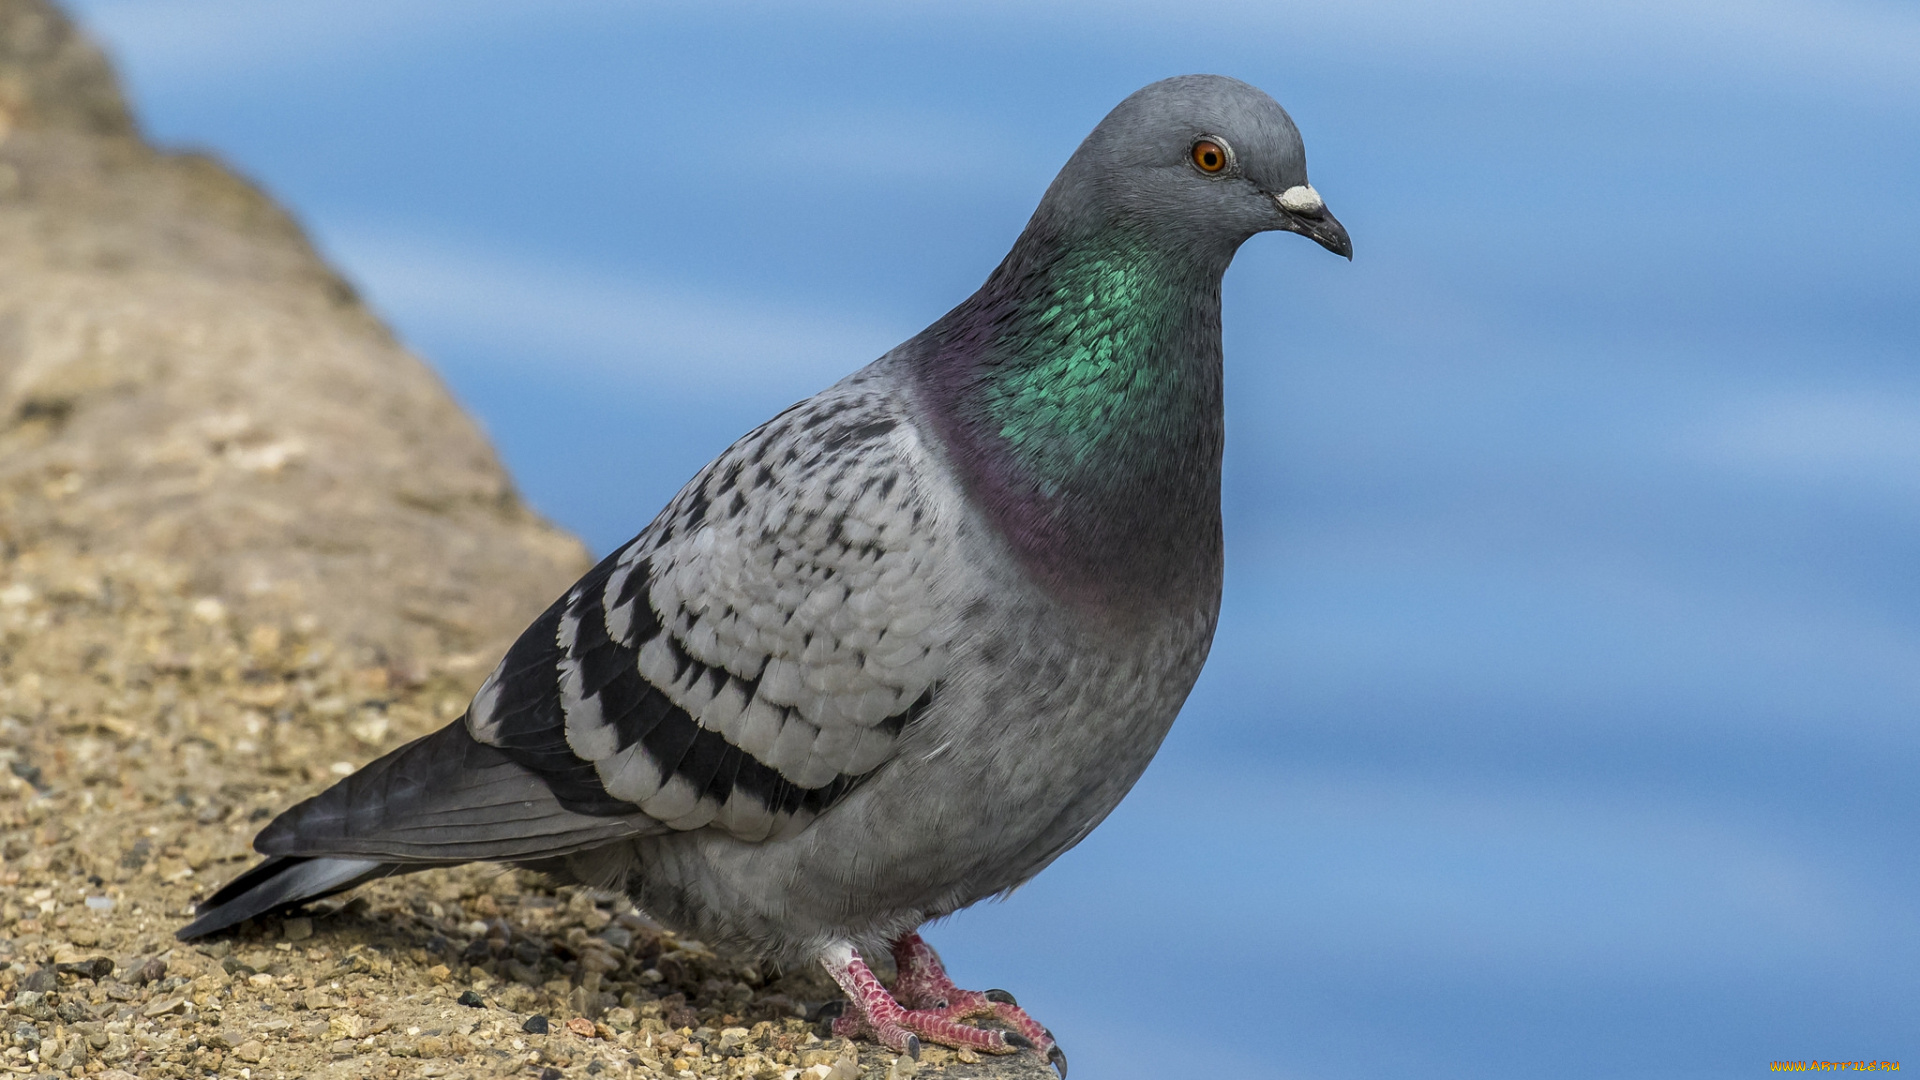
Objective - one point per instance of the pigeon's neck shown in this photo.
(1079, 392)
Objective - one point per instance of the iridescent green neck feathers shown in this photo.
(1085, 375)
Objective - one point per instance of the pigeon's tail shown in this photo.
(440, 800)
(277, 883)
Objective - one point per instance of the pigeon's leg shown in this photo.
(923, 984)
(873, 1013)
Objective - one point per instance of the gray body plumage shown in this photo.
(1037, 724)
(891, 653)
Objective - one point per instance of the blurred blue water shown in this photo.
(1562, 715)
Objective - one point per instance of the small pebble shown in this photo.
(471, 1000)
(97, 968)
(100, 903)
(535, 1025)
(42, 980)
(165, 1006)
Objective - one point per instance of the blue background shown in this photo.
(1562, 719)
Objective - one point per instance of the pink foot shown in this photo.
(924, 984)
(926, 1005)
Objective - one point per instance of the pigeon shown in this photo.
(897, 649)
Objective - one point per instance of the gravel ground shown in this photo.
(147, 735)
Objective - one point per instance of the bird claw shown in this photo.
(926, 1006)
(1057, 1058)
(823, 1017)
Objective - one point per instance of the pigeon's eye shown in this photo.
(1209, 156)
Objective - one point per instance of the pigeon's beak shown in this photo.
(1303, 211)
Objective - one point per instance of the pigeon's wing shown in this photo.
(755, 653)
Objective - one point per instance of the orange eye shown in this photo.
(1209, 156)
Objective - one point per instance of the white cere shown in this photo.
(1301, 199)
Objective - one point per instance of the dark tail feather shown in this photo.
(277, 883)
(440, 800)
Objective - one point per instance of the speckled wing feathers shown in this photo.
(753, 654)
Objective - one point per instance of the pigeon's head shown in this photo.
(1199, 161)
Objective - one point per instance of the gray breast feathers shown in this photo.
(753, 654)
